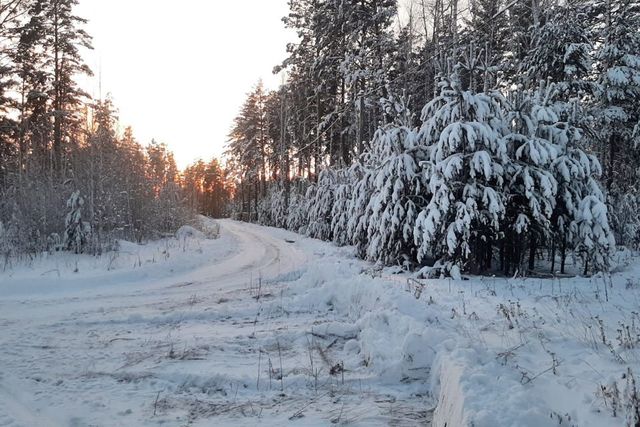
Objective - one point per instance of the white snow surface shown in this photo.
(265, 327)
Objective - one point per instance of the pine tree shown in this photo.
(299, 205)
(247, 148)
(343, 196)
(343, 59)
(137, 189)
(560, 52)
(616, 111)
(358, 209)
(398, 192)
(619, 82)
(321, 197)
(61, 36)
(462, 132)
(488, 30)
(580, 201)
(407, 73)
(33, 75)
(10, 20)
(216, 189)
(531, 185)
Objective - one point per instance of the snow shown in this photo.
(266, 326)
(187, 231)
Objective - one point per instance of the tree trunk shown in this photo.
(57, 101)
(612, 156)
(532, 252)
(488, 255)
(553, 256)
(563, 255)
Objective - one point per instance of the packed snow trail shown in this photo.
(210, 335)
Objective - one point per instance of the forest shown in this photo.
(70, 177)
(484, 137)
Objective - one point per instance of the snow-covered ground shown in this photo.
(263, 326)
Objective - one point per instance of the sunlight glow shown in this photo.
(178, 71)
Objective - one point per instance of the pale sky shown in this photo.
(178, 71)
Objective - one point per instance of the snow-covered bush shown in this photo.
(187, 231)
(399, 191)
(625, 219)
(343, 198)
(298, 209)
(358, 209)
(76, 230)
(272, 209)
(320, 197)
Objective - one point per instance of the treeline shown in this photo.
(477, 138)
(69, 179)
(208, 188)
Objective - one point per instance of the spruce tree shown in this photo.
(75, 234)
(561, 50)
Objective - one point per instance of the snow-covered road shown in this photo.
(196, 333)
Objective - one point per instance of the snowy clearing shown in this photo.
(263, 326)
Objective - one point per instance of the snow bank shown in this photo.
(404, 339)
(207, 228)
(474, 391)
(191, 251)
(491, 352)
(388, 330)
(450, 410)
(187, 231)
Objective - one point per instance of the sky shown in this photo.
(178, 72)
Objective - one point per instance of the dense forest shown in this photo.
(483, 137)
(70, 178)
(486, 136)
